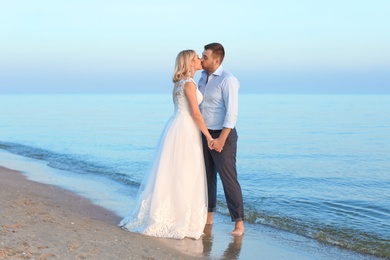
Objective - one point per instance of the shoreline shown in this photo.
(45, 221)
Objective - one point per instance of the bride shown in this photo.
(172, 199)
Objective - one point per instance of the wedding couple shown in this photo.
(177, 197)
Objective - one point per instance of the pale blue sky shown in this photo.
(280, 46)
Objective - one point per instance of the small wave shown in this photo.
(347, 238)
(67, 162)
(351, 239)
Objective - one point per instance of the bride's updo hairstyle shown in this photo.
(183, 65)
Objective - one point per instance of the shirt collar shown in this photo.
(217, 72)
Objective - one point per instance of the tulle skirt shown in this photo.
(172, 198)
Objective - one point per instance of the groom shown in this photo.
(219, 109)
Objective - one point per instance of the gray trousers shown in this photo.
(225, 164)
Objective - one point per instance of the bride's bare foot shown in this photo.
(210, 216)
(238, 229)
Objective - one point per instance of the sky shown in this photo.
(122, 46)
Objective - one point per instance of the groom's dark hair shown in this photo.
(217, 49)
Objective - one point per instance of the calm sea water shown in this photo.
(314, 165)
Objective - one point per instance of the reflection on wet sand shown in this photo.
(221, 246)
(232, 251)
(207, 240)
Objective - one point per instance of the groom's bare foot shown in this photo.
(210, 216)
(207, 230)
(238, 229)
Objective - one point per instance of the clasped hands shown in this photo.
(215, 144)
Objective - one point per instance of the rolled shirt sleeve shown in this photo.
(230, 96)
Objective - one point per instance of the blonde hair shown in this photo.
(183, 65)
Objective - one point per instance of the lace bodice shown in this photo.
(179, 97)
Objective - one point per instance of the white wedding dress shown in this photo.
(172, 198)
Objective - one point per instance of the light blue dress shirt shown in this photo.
(220, 99)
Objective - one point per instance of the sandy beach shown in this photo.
(41, 221)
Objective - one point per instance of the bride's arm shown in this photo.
(190, 92)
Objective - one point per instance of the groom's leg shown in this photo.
(226, 166)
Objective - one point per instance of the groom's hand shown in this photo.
(218, 145)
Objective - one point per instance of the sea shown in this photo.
(313, 165)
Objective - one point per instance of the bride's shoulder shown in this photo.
(181, 83)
